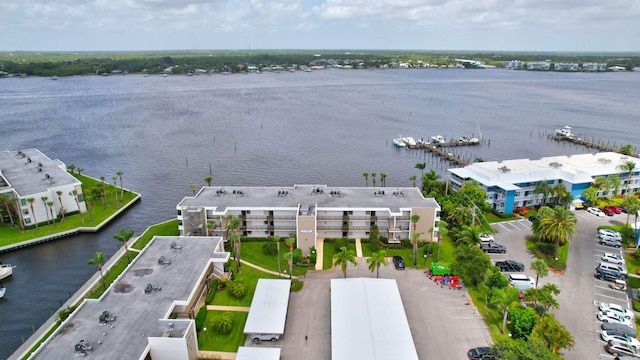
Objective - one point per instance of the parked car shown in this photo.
(493, 248)
(484, 237)
(609, 233)
(534, 218)
(258, 338)
(620, 328)
(609, 241)
(613, 267)
(398, 262)
(607, 211)
(607, 335)
(616, 209)
(510, 265)
(609, 316)
(595, 211)
(623, 311)
(617, 348)
(483, 352)
(606, 275)
(618, 285)
(612, 258)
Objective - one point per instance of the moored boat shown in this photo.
(5, 270)
(439, 139)
(565, 131)
(399, 141)
(2, 291)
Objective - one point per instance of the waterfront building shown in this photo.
(310, 212)
(148, 313)
(594, 67)
(538, 65)
(30, 174)
(514, 64)
(511, 183)
(565, 67)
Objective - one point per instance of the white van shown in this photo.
(521, 278)
(612, 267)
(607, 234)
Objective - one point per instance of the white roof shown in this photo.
(368, 321)
(268, 311)
(258, 353)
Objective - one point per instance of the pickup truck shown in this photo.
(510, 265)
(493, 248)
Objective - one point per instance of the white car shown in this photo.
(607, 335)
(484, 237)
(611, 317)
(622, 311)
(612, 258)
(610, 233)
(595, 211)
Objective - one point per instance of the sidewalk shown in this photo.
(358, 248)
(319, 253)
(228, 308)
(265, 270)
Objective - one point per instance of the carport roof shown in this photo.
(268, 312)
(258, 353)
(368, 321)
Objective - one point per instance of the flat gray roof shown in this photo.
(223, 197)
(27, 170)
(137, 314)
(268, 312)
(258, 353)
(368, 321)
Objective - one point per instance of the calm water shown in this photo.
(324, 127)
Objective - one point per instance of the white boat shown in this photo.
(5, 270)
(409, 141)
(565, 131)
(2, 291)
(438, 139)
(399, 141)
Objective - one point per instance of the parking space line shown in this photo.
(504, 227)
(611, 297)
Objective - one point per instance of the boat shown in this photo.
(471, 141)
(565, 131)
(439, 139)
(5, 270)
(2, 291)
(399, 141)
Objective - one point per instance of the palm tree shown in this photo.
(277, 239)
(543, 187)
(123, 236)
(50, 205)
(30, 201)
(602, 184)
(383, 179)
(442, 232)
(44, 202)
(377, 259)
(88, 199)
(98, 261)
(470, 234)
(234, 225)
(71, 168)
(80, 170)
(59, 193)
(4, 198)
(120, 173)
(373, 177)
(626, 149)
(414, 220)
(291, 243)
(20, 218)
(559, 226)
(628, 166)
(208, 180)
(115, 188)
(430, 181)
(74, 193)
(102, 179)
(541, 269)
(413, 177)
(615, 183)
(559, 191)
(343, 258)
(421, 166)
(632, 204)
(366, 178)
(193, 188)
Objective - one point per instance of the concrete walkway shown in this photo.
(265, 270)
(358, 248)
(218, 355)
(228, 308)
(319, 253)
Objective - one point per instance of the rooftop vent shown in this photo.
(81, 348)
(399, 193)
(175, 247)
(338, 193)
(150, 289)
(283, 193)
(317, 191)
(555, 164)
(106, 318)
(378, 193)
(162, 261)
(504, 169)
(604, 160)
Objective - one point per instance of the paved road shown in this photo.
(580, 291)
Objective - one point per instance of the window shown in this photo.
(27, 221)
(80, 198)
(179, 212)
(23, 202)
(25, 211)
(179, 222)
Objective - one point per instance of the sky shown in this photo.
(500, 25)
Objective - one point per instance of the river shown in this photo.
(269, 129)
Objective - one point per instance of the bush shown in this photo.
(223, 323)
(340, 243)
(297, 255)
(375, 246)
(202, 314)
(270, 248)
(555, 264)
(222, 283)
(65, 313)
(636, 305)
(313, 256)
(237, 288)
(212, 292)
(406, 243)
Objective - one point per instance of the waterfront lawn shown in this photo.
(251, 251)
(111, 275)
(168, 228)
(212, 340)
(250, 278)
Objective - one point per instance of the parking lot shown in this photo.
(581, 292)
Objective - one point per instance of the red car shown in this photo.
(607, 211)
(616, 209)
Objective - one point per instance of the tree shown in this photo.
(472, 264)
(501, 300)
(120, 173)
(377, 259)
(277, 239)
(4, 199)
(98, 261)
(366, 178)
(383, 179)
(602, 184)
(71, 168)
(522, 321)
(208, 180)
(415, 235)
(30, 201)
(615, 183)
(541, 268)
(590, 194)
(524, 349)
(74, 193)
(626, 149)
(115, 188)
(543, 188)
(421, 167)
(193, 188)
(442, 231)
(59, 193)
(233, 224)
(553, 333)
(291, 243)
(44, 202)
(50, 205)
(559, 227)
(632, 204)
(373, 177)
(413, 178)
(123, 236)
(343, 258)
(628, 166)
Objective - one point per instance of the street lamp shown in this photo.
(205, 332)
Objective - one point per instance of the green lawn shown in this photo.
(328, 251)
(168, 228)
(251, 251)
(250, 277)
(632, 263)
(547, 253)
(99, 213)
(212, 340)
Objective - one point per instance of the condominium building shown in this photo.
(514, 64)
(538, 65)
(41, 187)
(594, 67)
(309, 212)
(511, 183)
(565, 67)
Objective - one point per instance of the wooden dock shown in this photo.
(445, 155)
(588, 143)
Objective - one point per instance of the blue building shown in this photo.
(511, 183)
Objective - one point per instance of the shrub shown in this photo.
(222, 283)
(65, 313)
(237, 288)
(556, 264)
(313, 256)
(223, 323)
(297, 255)
(406, 243)
(375, 246)
(340, 243)
(202, 314)
(636, 305)
(270, 248)
(212, 292)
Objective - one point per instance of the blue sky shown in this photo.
(507, 25)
